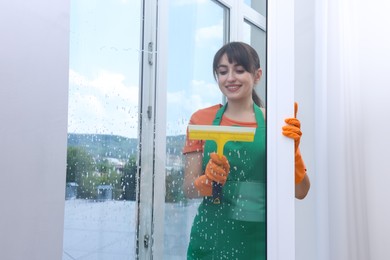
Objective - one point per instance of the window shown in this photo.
(100, 206)
(256, 37)
(135, 79)
(192, 43)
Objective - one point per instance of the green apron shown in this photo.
(235, 228)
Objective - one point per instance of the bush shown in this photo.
(174, 186)
(79, 162)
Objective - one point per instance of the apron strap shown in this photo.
(258, 115)
(218, 117)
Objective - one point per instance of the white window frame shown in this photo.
(280, 153)
(160, 133)
(147, 98)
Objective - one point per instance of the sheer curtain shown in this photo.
(352, 140)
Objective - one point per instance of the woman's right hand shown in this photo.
(196, 183)
(217, 169)
(204, 185)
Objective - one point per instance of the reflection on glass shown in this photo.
(193, 41)
(256, 37)
(258, 5)
(100, 206)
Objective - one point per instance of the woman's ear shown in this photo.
(258, 74)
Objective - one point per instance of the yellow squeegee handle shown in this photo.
(217, 187)
(220, 145)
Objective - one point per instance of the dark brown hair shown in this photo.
(242, 54)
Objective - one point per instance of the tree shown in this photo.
(79, 162)
(129, 180)
(106, 171)
(173, 186)
(79, 165)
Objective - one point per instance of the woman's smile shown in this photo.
(233, 87)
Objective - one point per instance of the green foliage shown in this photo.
(79, 162)
(88, 174)
(129, 180)
(174, 186)
(89, 165)
(87, 188)
(107, 172)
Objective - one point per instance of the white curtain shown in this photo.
(353, 140)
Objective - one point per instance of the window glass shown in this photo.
(100, 208)
(192, 42)
(259, 5)
(256, 37)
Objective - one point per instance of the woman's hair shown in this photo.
(244, 55)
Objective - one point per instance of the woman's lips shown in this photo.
(233, 88)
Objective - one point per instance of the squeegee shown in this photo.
(220, 135)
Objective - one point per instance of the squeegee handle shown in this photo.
(217, 192)
(217, 187)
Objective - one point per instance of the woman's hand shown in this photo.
(197, 184)
(293, 130)
(204, 185)
(217, 169)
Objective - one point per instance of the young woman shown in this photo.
(235, 228)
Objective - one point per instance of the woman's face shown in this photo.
(234, 81)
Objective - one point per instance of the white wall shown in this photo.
(374, 50)
(369, 86)
(33, 127)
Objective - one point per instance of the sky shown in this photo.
(105, 64)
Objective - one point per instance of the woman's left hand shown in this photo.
(293, 130)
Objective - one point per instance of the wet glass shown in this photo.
(100, 208)
(192, 43)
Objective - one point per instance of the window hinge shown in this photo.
(150, 53)
(146, 241)
(149, 112)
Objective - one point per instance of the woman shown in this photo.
(235, 228)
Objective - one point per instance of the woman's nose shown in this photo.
(231, 76)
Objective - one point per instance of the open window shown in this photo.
(138, 69)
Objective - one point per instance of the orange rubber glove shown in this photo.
(293, 130)
(204, 185)
(217, 169)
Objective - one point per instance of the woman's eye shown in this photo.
(240, 71)
(222, 72)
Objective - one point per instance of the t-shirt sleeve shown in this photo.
(200, 117)
(193, 145)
